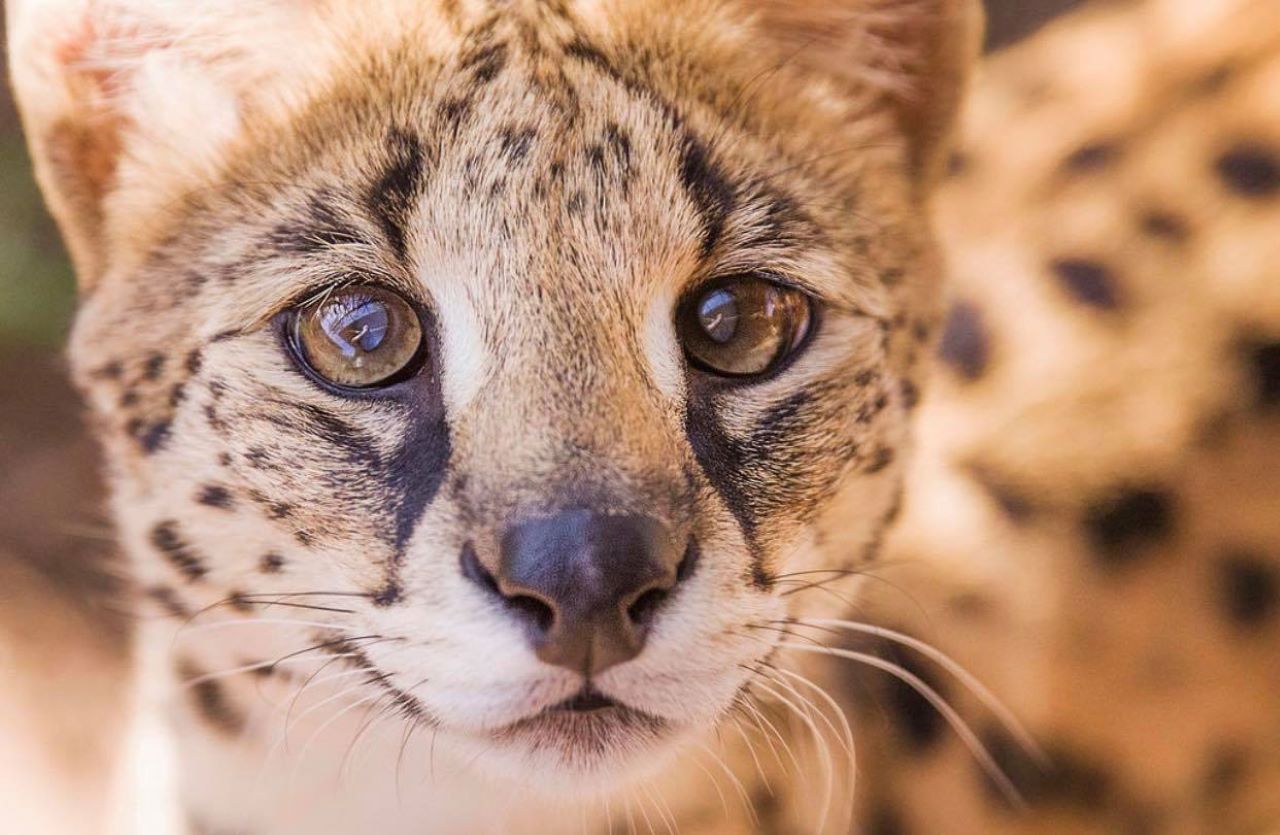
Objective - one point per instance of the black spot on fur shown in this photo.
(885, 820)
(215, 495)
(880, 460)
(712, 194)
(1225, 773)
(1014, 502)
(965, 345)
(151, 436)
(392, 196)
(1092, 156)
(271, 563)
(1122, 524)
(487, 62)
(1249, 588)
(1088, 281)
(1263, 364)
(320, 227)
(910, 394)
(588, 53)
(153, 367)
(1069, 782)
(167, 540)
(169, 601)
(1250, 170)
(113, 370)
(1165, 225)
(917, 722)
(620, 141)
(210, 701)
(453, 112)
(516, 142)
(388, 595)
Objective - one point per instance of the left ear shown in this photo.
(915, 55)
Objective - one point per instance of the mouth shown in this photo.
(587, 723)
(587, 700)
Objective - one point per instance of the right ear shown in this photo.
(129, 103)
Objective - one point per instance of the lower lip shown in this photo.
(606, 720)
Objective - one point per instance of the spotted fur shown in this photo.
(546, 180)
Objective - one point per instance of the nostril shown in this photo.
(529, 609)
(646, 606)
(533, 610)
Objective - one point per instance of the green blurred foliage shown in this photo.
(37, 290)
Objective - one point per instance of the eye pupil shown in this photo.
(357, 330)
(718, 315)
(358, 337)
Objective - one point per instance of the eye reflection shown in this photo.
(358, 337)
(743, 326)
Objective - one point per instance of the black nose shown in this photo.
(586, 584)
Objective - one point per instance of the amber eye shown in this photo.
(358, 337)
(743, 326)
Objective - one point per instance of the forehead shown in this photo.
(526, 162)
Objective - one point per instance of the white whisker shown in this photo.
(975, 686)
(962, 729)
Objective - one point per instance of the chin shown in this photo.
(590, 744)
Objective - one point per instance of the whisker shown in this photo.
(846, 734)
(755, 757)
(961, 728)
(970, 681)
(823, 749)
(736, 783)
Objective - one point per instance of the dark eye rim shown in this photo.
(285, 326)
(783, 362)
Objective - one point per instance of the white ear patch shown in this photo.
(129, 102)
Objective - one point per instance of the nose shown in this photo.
(587, 585)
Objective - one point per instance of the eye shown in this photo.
(743, 326)
(358, 337)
